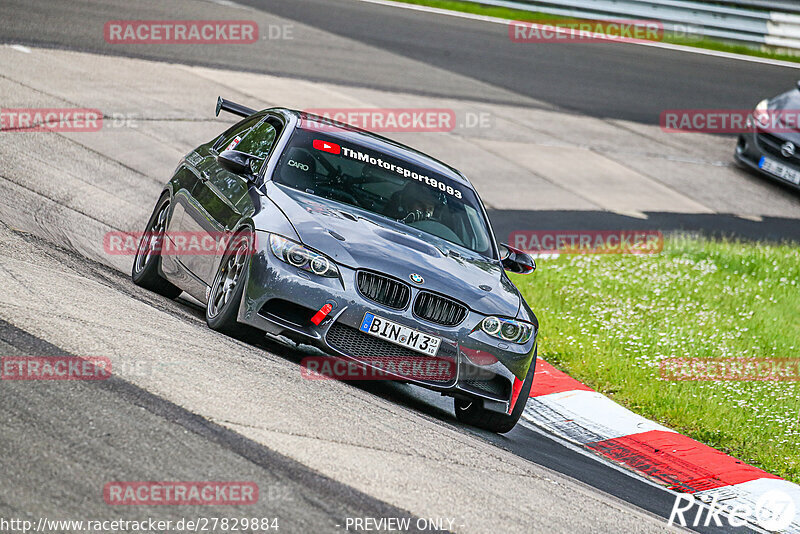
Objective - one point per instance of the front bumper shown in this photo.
(755, 144)
(281, 300)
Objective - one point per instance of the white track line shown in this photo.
(586, 416)
(652, 44)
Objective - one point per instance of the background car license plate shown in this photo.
(399, 334)
(780, 170)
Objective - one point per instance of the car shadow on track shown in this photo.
(416, 398)
(533, 446)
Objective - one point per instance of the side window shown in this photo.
(259, 140)
(234, 135)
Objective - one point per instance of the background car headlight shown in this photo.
(509, 330)
(761, 113)
(299, 256)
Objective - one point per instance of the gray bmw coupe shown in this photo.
(332, 236)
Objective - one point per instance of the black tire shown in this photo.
(145, 271)
(225, 297)
(472, 412)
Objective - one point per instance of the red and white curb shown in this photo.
(562, 406)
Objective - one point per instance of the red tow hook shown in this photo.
(321, 314)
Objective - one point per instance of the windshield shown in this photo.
(385, 185)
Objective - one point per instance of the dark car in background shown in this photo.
(363, 247)
(771, 146)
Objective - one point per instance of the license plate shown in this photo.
(400, 335)
(780, 170)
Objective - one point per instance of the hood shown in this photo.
(361, 240)
(789, 101)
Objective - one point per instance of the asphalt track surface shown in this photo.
(63, 441)
(47, 430)
(578, 77)
(605, 79)
(110, 413)
(363, 44)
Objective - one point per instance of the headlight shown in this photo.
(509, 330)
(299, 256)
(761, 113)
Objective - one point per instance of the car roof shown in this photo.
(347, 132)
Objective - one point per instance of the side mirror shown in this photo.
(515, 260)
(239, 163)
(798, 85)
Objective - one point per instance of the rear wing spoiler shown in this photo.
(233, 107)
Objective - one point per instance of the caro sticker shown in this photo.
(298, 165)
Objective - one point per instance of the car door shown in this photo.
(220, 199)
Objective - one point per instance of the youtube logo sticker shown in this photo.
(327, 146)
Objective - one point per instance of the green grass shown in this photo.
(531, 16)
(608, 320)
